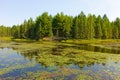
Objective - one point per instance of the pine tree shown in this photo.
(82, 26)
(37, 28)
(30, 29)
(90, 27)
(75, 32)
(98, 30)
(117, 24)
(115, 33)
(46, 25)
(105, 26)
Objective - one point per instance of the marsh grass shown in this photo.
(92, 41)
(5, 38)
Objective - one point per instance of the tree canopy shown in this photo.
(64, 26)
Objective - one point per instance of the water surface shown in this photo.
(16, 65)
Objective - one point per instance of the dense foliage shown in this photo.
(62, 26)
(5, 31)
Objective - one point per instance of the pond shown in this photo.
(17, 65)
(106, 48)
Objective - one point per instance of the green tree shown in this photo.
(115, 33)
(30, 29)
(82, 26)
(117, 24)
(90, 27)
(16, 31)
(43, 26)
(67, 24)
(58, 25)
(23, 29)
(105, 26)
(98, 25)
(46, 25)
(75, 31)
(37, 28)
(62, 25)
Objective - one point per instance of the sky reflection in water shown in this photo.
(13, 65)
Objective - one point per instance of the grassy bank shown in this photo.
(73, 41)
(5, 39)
(101, 41)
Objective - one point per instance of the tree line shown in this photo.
(63, 26)
(5, 31)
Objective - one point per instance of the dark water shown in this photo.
(100, 49)
(15, 65)
(88, 47)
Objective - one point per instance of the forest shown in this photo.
(62, 26)
(61, 47)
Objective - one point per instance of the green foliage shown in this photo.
(105, 27)
(24, 29)
(90, 27)
(75, 28)
(5, 31)
(16, 31)
(30, 29)
(98, 27)
(62, 26)
(117, 25)
(82, 26)
(43, 26)
(115, 30)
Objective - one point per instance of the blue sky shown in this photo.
(16, 11)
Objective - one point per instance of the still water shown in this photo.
(97, 48)
(15, 65)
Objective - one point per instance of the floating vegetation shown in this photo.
(53, 60)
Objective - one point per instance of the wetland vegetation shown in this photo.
(68, 60)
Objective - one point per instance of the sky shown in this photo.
(13, 12)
